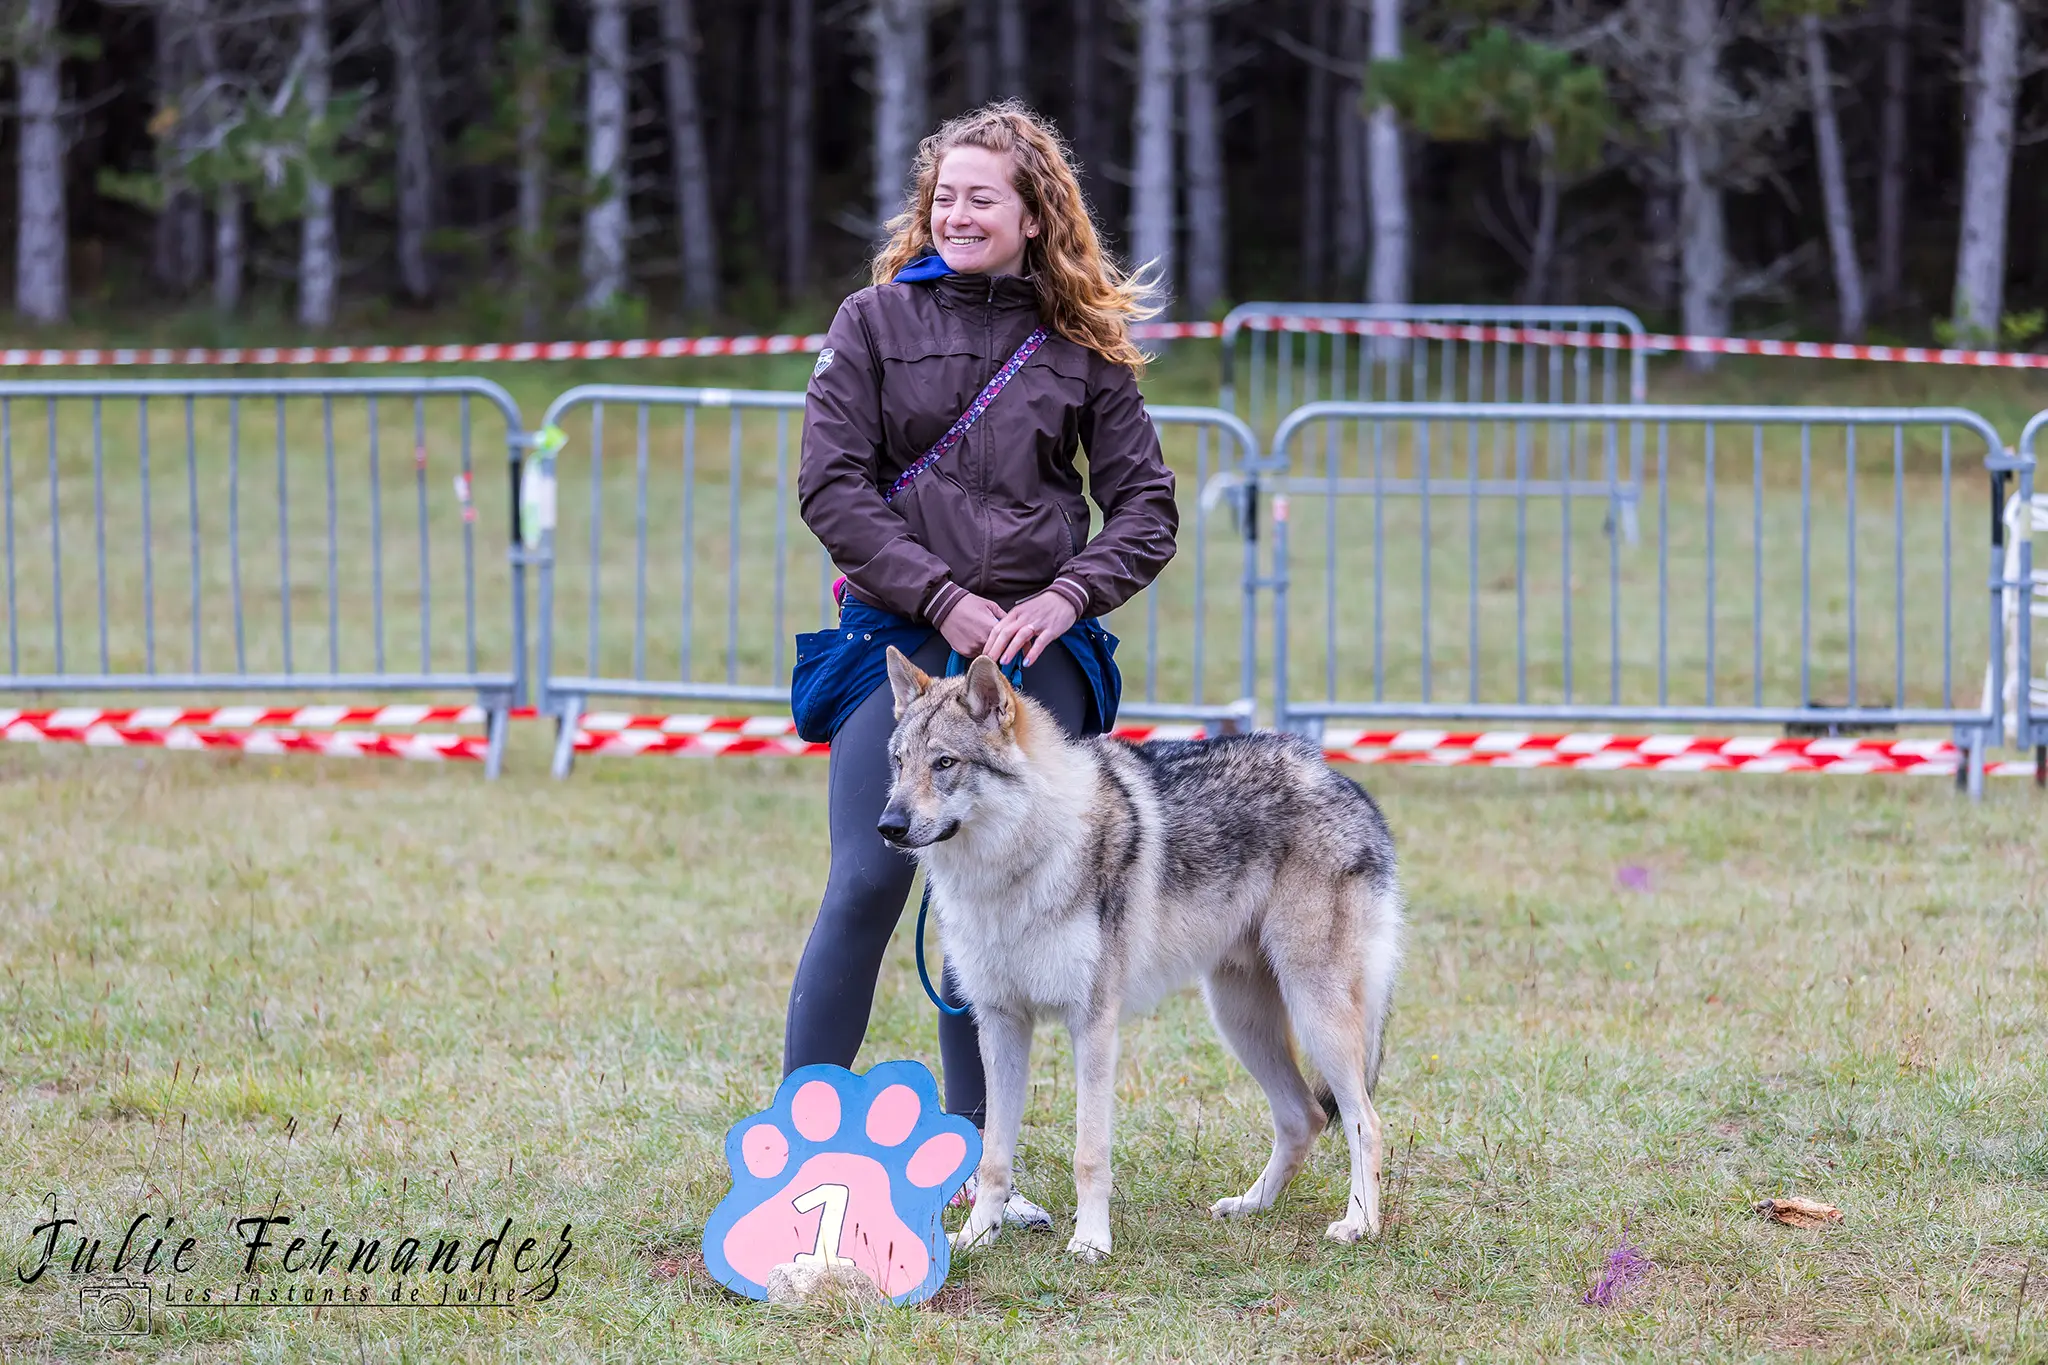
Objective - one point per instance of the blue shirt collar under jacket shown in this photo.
(924, 268)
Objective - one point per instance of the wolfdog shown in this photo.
(1084, 879)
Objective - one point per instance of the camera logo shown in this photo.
(115, 1307)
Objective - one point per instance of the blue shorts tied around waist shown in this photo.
(836, 670)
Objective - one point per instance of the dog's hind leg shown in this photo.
(1006, 1064)
(1329, 998)
(1245, 1002)
(1362, 1132)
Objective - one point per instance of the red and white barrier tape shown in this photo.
(1659, 753)
(1591, 745)
(657, 348)
(332, 744)
(245, 717)
(608, 733)
(1654, 341)
(727, 743)
(244, 728)
(604, 732)
(486, 353)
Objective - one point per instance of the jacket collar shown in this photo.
(1002, 292)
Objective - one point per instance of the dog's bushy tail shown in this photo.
(1327, 1098)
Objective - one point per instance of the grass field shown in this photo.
(380, 996)
(390, 998)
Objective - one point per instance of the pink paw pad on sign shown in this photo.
(843, 1168)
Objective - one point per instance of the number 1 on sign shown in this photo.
(832, 1199)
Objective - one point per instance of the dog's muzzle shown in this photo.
(895, 831)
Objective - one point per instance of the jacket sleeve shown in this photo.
(1129, 480)
(837, 481)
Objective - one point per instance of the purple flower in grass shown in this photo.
(1631, 877)
(1626, 1264)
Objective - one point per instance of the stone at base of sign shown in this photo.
(843, 1174)
(838, 1285)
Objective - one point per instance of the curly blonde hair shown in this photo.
(1083, 295)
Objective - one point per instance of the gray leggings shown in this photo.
(865, 891)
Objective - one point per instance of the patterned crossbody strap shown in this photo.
(967, 419)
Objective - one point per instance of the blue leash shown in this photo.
(923, 974)
(955, 666)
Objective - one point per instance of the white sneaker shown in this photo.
(1018, 1212)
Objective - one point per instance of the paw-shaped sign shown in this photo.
(843, 1169)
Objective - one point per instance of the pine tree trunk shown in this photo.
(897, 28)
(1315, 156)
(201, 61)
(699, 242)
(532, 249)
(229, 256)
(1152, 171)
(182, 238)
(227, 201)
(412, 25)
(978, 50)
(41, 269)
(604, 220)
(1891, 169)
(1543, 241)
(798, 157)
(1208, 204)
(1388, 282)
(1702, 228)
(1987, 172)
(316, 228)
(768, 132)
(178, 250)
(1084, 111)
(1660, 226)
(1350, 234)
(1834, 182)
(1010, 51)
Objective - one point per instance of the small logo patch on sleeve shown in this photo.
(824, 362)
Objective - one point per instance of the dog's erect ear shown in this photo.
(989, 698)
(906, 680)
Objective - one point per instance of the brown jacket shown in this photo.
(1002, 514)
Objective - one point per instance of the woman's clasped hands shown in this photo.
(978, 626)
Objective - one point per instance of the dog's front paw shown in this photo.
(1234, 1205)
(1088, 1250)
(1350, 1230)
(971, 1236)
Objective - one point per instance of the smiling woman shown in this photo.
(978, 218)
(940, 437)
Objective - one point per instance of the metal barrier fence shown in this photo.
(226, 573)
(1367, 369)
(2019, 576)
(296, 535)
(717, 567)
(1546, 622)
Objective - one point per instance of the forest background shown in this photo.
(258, 169)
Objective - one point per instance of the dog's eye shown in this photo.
(943, 762)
